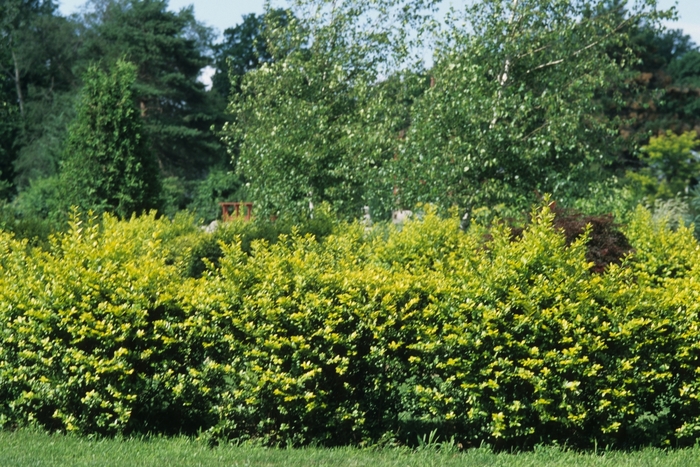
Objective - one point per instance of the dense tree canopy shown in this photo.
(665, 84)
(516, 104)
(244, 48)
(8, 134)
(314, 124)
(37, 53)
(18, 18)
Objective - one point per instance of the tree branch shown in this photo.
(545, 124)
(503, 78)
(545, 65)
(583, 49)
(533, 52)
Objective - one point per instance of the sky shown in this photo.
(222, 14)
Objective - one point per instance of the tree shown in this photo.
(243, 49)
(9, 130)
(664, 90)
(516, 104)
(683, 97)
(673, 160)
(37, 54)
(313, 124)
(671, 167)
(169, 50)
(108, 165)
(16, 16)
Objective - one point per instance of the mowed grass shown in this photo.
(28, 448)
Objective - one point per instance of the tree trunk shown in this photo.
(18, 85)
(503, 77)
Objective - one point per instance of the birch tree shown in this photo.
(516, 105)
(319, 121)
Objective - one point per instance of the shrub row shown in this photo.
(365, 336)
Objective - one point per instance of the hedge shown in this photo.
(360, 336)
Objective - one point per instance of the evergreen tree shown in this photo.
(666, 86)
(169, 50)
(108, 166)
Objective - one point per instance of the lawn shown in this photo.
(30, 448)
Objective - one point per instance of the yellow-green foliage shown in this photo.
(670, 166)
(356, 337)
(89, 331)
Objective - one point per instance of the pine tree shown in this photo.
(169, 50)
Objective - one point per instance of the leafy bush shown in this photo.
(30, 224)
(205, 250)
(88, 330)
(363, 335)
(201, 196)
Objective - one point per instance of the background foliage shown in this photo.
(338, 102)
(310, 125)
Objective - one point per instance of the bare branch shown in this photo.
(583, 49)
(533, 52)
(544, 125)
(545, 65)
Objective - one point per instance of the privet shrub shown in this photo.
(202, 251)
(89, 329)
(363, 336)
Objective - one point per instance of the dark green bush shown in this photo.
(31, 226)
(206, 250)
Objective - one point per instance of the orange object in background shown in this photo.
(230, 211)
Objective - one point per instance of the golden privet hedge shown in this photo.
(358, 337)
